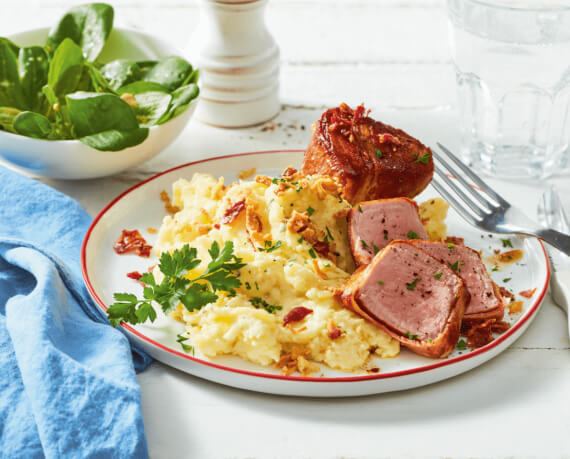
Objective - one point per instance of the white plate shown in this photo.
(140, 208)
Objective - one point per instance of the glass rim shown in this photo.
(489, 4)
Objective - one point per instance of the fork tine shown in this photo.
(480, 183)
(466, 199)
(483, 200)
(458, 207)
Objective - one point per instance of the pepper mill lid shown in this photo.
(238, 61)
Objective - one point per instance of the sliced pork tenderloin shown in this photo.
(373, 224)
(410, 295)
(486, 301)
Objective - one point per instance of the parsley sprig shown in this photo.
(175, 288)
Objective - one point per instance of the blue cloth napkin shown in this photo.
(67, 379)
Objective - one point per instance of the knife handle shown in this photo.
(560, 284)
(559, 240)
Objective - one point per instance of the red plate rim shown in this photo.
(393, 374)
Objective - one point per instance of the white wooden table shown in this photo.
(393, 56)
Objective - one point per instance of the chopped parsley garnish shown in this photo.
(329, 234)
(270, 248)
(386, 234)
(247, 286)
(378, 154)
(376, 249)
(412, 285)
(450, 246)
(422, 159)
(186, 347)
(261, 303)
(507, 243)
(507, 279)
(461, 345)
(412, 235)
(380, 282)
(454, 266)
(301, 239)
(495, 268)
(312, 253)
(310, 211)
(175, 288)
(256, 286)
(359, 208)
(363, 244)
(438, 275)
(410, 336)
(275, 181)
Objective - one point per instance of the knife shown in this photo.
(551, 214)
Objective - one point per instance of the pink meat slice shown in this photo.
(410, 292)
(373, 225)
(468, 265)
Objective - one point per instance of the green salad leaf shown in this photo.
(171, 72)
(33, 63)
(11, 92)
(32, 124)
(87, 25)
(114, 139)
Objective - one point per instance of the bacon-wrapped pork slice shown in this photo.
(372, 225)
(370, 159)
(486, 300)
(411, 296)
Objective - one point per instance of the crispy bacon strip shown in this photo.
(479, 334)
(132, 241)
(528, 293)
(233, 211)
(296, 315)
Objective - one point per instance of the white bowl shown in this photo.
(71, 159)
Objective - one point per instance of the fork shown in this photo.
(482, 207)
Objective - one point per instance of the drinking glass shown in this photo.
(512, 62)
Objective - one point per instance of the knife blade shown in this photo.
(551, 214)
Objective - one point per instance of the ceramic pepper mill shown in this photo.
(238, 61)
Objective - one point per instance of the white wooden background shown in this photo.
(392, 55)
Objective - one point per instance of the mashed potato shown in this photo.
(292, 234)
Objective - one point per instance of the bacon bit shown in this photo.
(217, 225)
(373, 370)
(167, 203)
(296, 315)
(290, 171)
(233, 211)
(341, 213)
(150, 268)
(253, 225)
(383, 138)
(455, 240)
(132, 241)
(247, 173)
(505, 293)
(322, 248)
(515, 307)
(152, 230)
(134, 275)
(333, 331)
(263, 179)
(317, 268)
(528, 293)
(296, 360)
(481, 333)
